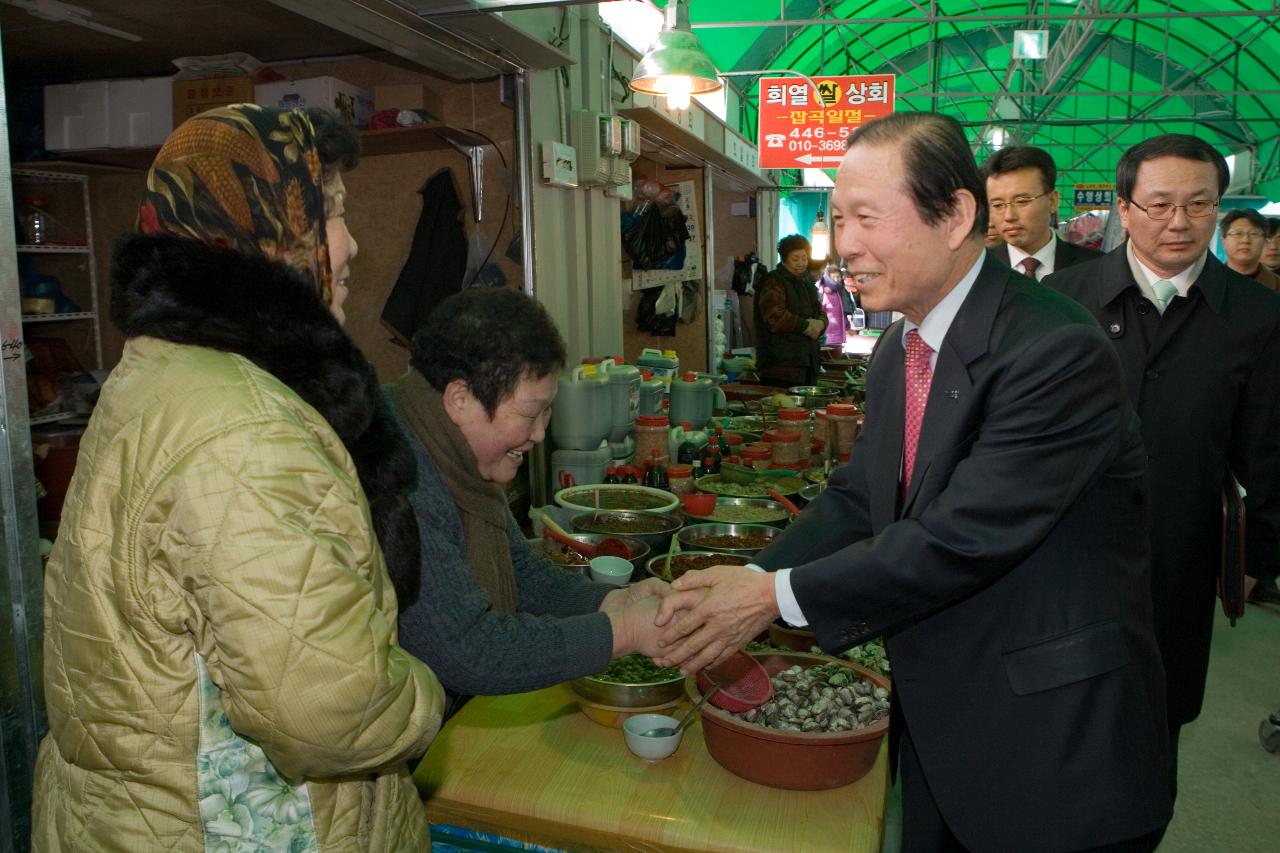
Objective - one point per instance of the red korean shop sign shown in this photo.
(801, 128)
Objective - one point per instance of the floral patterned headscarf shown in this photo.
(247, 178)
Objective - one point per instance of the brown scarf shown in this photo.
(481, 504)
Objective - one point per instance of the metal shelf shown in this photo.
(90, 270)
(53, 249)
(55, 318)
(21, 173)
(52, 417)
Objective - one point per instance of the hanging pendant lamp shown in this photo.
(675, 64)
(820, 238)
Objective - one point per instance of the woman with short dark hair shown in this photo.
(789, 319)
(493, 617)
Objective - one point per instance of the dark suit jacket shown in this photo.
(1207, 388)
(1013, 583)
(1064, 254)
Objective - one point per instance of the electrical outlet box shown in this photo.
(623, 189)
(619, 173)
(598, 138)
(559, 164)
(630, 140)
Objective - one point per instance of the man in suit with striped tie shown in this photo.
(1021, 195)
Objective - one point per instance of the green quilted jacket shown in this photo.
(221, 667)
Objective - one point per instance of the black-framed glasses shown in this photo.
(1162, 210)
(1018, 202)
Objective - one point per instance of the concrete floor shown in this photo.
(1229, 786)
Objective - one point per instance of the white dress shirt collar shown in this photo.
(1044, 255)
(933, 329)
(1146, 277)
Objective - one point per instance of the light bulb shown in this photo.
(820, 238)
(679, 88)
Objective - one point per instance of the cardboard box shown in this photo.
(194, 95)
(354, 104)
(75, 116)
(409, 96)
(139, 111)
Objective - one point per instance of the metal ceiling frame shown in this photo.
(1139, 43)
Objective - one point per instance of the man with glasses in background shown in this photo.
(1244, 236)
(1200, 348)
(1020, 192)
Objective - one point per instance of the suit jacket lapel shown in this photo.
(950, 392)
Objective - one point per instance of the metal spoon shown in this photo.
(668, 731)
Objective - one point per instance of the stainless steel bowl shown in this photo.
(656, 566)
(814, 396)
(777, 513)
(694, 536)
(811, 491)
(658, 526)
(637, 551)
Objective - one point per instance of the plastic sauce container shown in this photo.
(652, 392)
(843, 423)
(692, 399)
(680, 479)
(582, 414)
(757, 454)
(653, 432)
(794, 420)
(788, 449)
(664, 364)
(817, 450)
(624, 389)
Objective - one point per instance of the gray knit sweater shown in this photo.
(557, 633)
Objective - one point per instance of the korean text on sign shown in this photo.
(804, 125)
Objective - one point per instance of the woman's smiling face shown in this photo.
(519, 422)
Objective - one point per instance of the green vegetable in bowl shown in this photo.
(636, 669)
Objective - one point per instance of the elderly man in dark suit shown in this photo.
(1021, 195)
(991, 523)
(1200, 347)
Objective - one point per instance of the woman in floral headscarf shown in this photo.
(221, 665)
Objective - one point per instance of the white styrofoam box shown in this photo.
(139, 111)
(75, 115)
(353, 103)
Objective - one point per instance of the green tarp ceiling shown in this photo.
(1117, 71)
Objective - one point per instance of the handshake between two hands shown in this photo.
(696, 621)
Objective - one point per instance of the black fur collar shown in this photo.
(189, 293)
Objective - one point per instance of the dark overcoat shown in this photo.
(1204, 379)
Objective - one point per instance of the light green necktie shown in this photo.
(1165, 291)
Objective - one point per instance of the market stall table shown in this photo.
(533, 768)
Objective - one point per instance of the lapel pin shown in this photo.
(954, 395)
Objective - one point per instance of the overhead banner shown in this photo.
(803, 129)
(1093, 197)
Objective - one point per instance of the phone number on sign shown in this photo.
(801, 146)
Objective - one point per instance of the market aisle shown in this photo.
(1229, 797)
(1229, 787)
